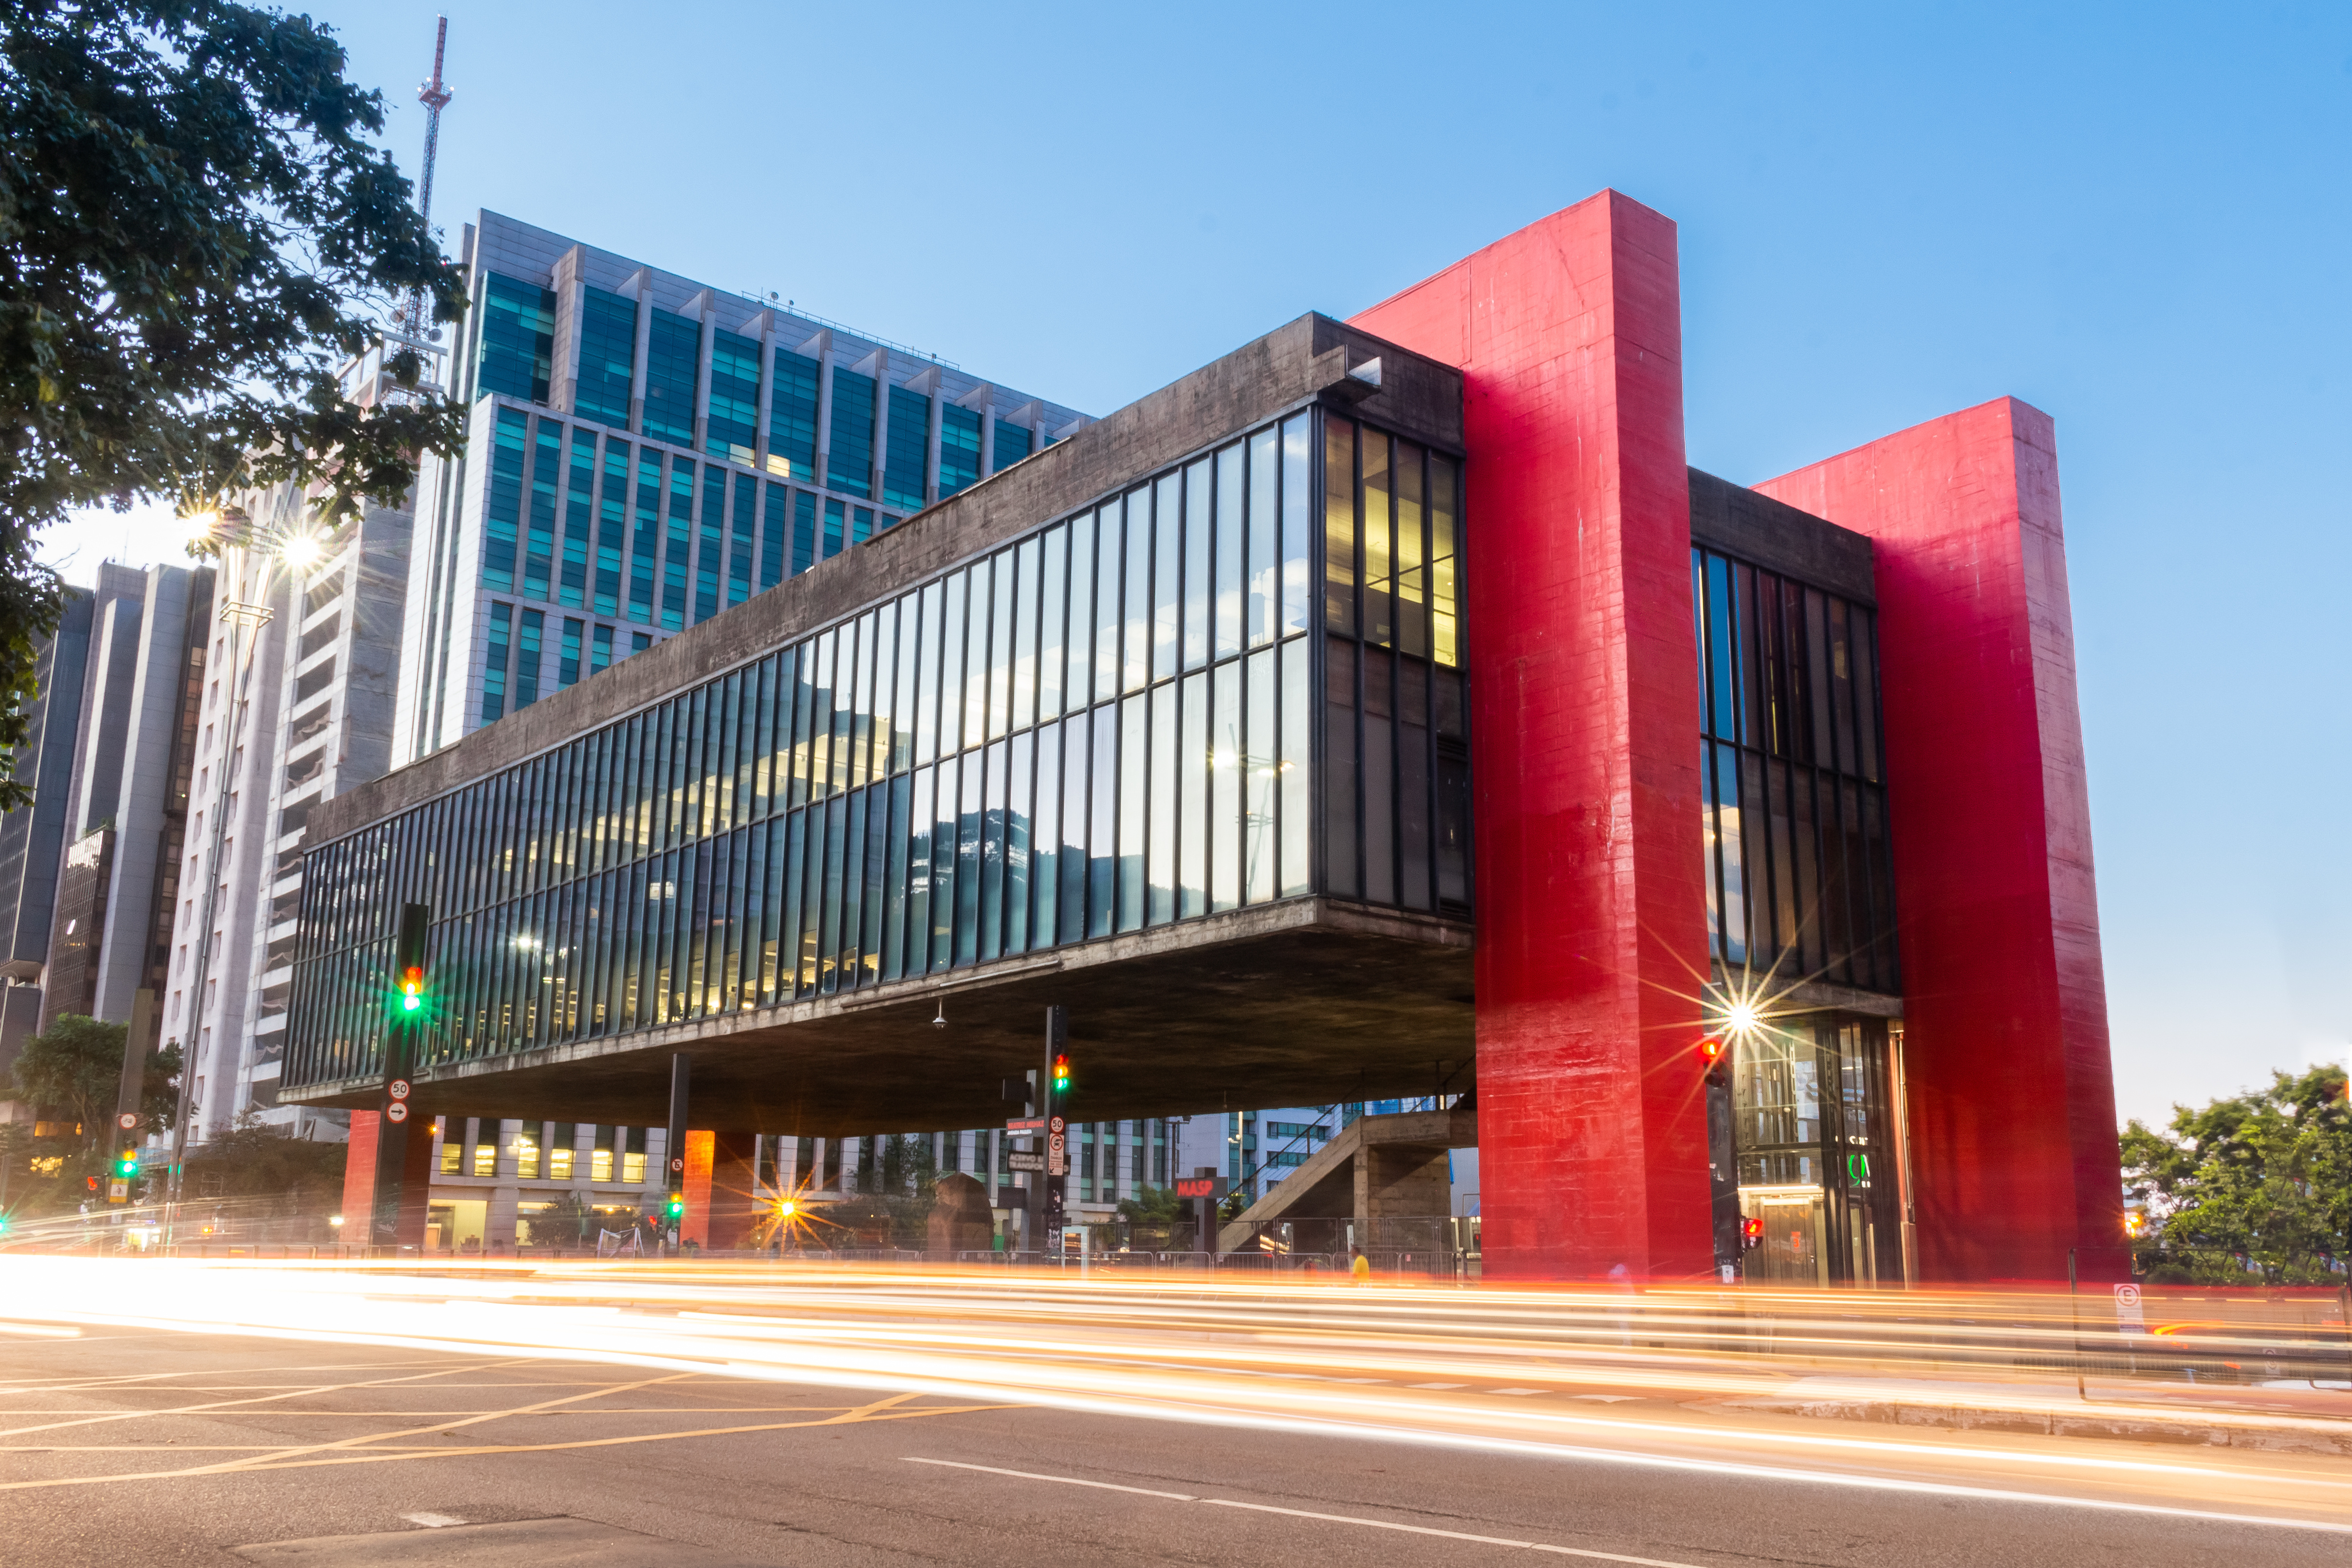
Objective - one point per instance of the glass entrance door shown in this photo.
(1814, 1153)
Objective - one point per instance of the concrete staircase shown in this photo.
(1377, 1167)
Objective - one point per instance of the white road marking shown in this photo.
(1439, 1385)
(1515, 1391)
(1061, 1480)
(432, 1520)
(1308, 1513)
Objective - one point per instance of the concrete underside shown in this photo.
(1304, 1002)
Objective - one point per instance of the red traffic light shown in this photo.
(1711, 1047)
(1751, 1231)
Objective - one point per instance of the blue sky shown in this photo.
(2133, 217)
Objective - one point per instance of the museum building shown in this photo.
(1386, 708)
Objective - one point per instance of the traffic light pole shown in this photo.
(395, 1103)
(674, 1147)
(1057, 1145)
(123, 1136)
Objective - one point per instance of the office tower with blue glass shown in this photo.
(644, 451)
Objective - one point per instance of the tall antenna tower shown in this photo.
(434, 97)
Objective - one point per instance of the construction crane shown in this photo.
(434, 97)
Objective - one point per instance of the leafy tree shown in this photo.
(1155, 1206)
(195, 229)
(2257, 1184)
(75, 1067)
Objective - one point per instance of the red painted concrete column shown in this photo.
(1584, 739)
(2011, 1092)
(721, 1205)
(358, 1180)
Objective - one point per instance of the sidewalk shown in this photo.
(2298, 1418)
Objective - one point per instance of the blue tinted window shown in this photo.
(538, 546)
(503, 513)
(910, 440)
(850, 464)
(611, 528)
(608, 354)
(771, 543)
(567, 665)
(599, 649)
(804, 532)
(678, 543)
(671, 350)
(706, 560)
(734, 396)
(836, 514)
(644, 540)
(578, 524)
(494, 668)
(517, 338)
(530, 625)
(792, 417)
(959, 449)
(741, 533)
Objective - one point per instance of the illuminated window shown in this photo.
(486, 1159)
(559, 1163)
(527, 1153)
(453, 1154)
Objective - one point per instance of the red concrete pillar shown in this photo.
(1584, 739)
(721, 1207)
(359, 1179)
(2005, 1016)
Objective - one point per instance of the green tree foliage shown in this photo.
(74, 1069)
(1155, 1206)
(195, 229)
(275, 1174)
(2258, 1185)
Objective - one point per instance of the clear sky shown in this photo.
(2131, 216)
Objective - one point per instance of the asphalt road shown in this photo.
(124, 1447)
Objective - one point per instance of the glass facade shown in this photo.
(850, 467)
(1794, 808)
(517, 338)
(734, 427)
(583, 518)
(673, 356)
(1106, 725)
(608, 357)
(1396, 711)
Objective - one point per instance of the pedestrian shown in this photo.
(1361, 1268)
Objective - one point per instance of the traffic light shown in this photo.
(677, 1206)
(415, 922)
(1717, 1056)
(126, 1164)
(1060, 1075)
(1751, 1233)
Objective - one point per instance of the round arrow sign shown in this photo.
(396, 1112)
(398, 1088)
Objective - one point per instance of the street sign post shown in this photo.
(1019, 1161)
(1206, 1187)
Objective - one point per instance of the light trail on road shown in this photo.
(1717, 1382)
